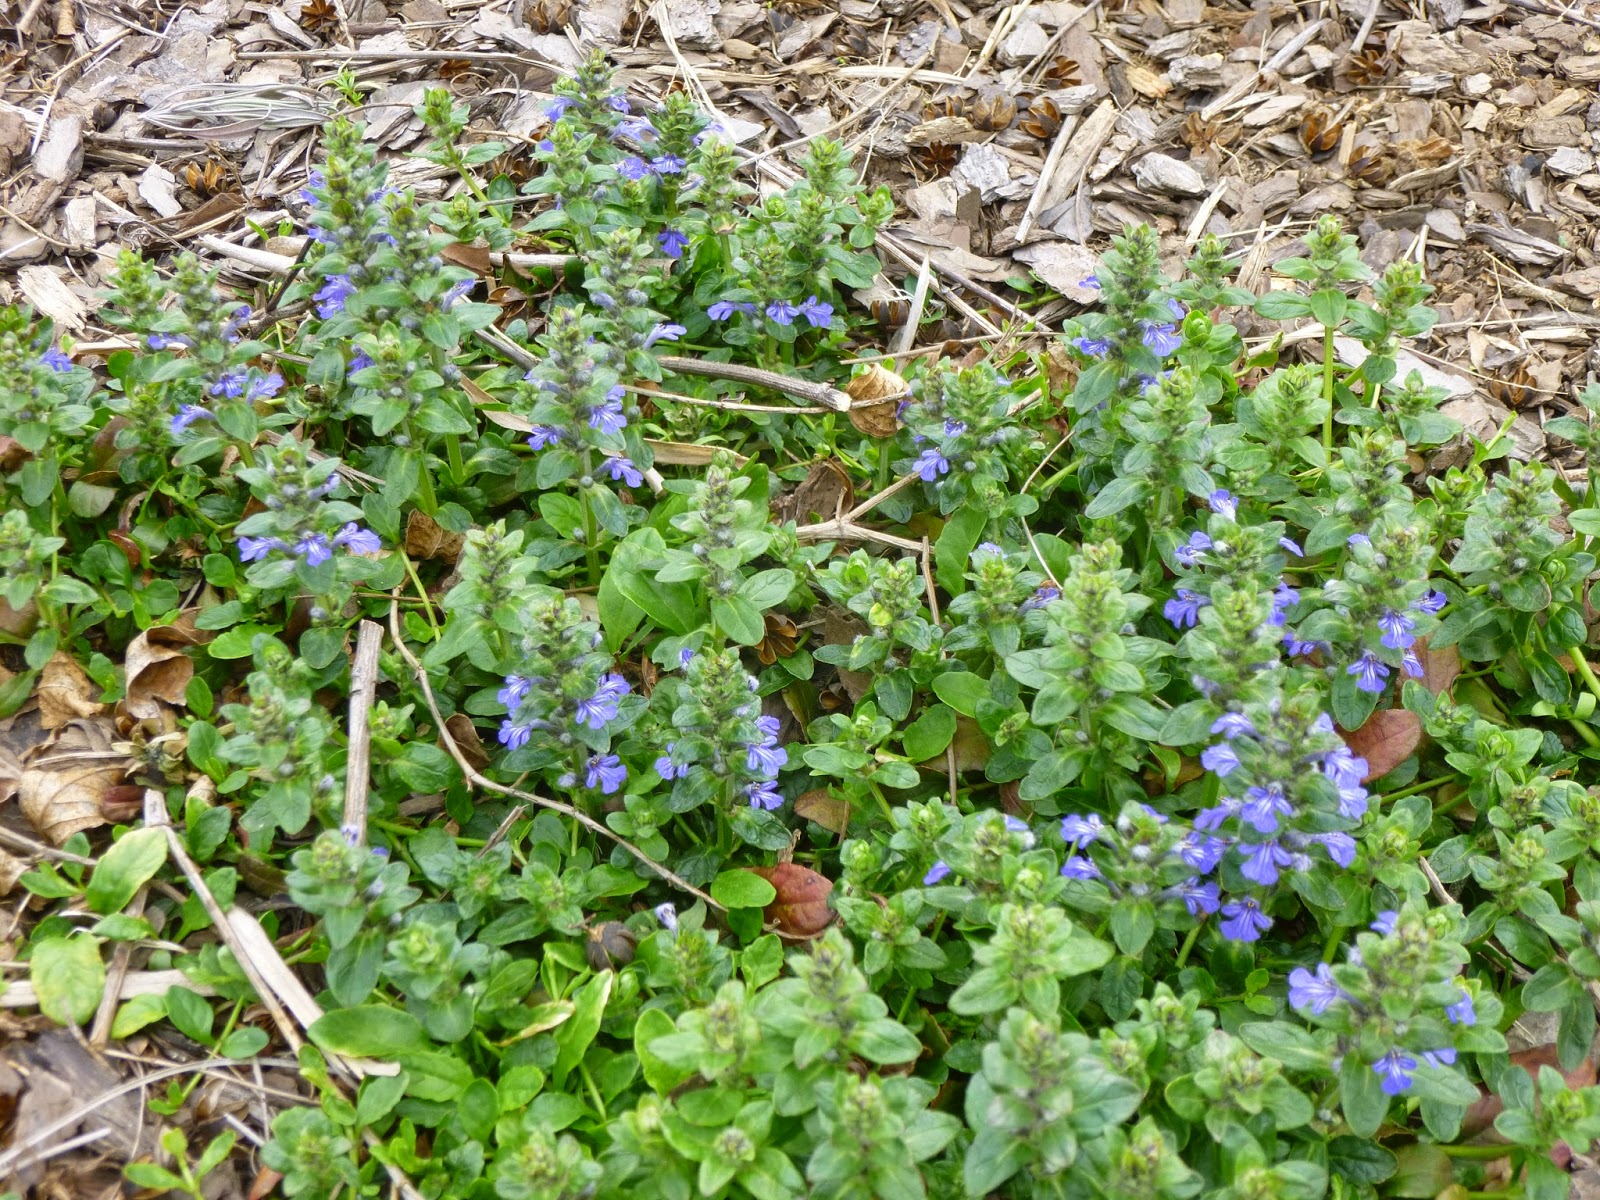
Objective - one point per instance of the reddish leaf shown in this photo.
(826, 809)
(1439, 667)
(1390, 736)
(266, 1181)
(800, 910)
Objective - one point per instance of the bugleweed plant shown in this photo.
(1199, 812)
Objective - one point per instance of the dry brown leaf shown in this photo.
(823, 494)
(826, 809)
(1390, 736)
(62, 794)
(800, 911)
(12, 869)
(689, 454)
(426, 538)
(1439, 667)
(876, 383)
(65, 692)
(467, 740)
(158, 669)
(840, 627)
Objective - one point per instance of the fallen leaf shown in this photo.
(1390, 736)
(689, 454)
(840, 627)
(474, 258)
(876, 383)
(1439, 667)
(826, 809)
(158, 669)
(426, 538)
(66, 692)
(11, 870)
(63, 798)
(266, 1182)
(823, 494)
(465, 734)
(800, 911)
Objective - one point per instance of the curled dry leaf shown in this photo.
(876, 383)
(18, 622)
(158, 669)
(826, 809)
(800, 911)
(426, 538)
(467, 740)
(63, 796)
(65, 692)
(823, 494)
(11, 870)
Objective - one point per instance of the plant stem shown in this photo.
(1484, 1153)
(1332, 942)
(458, 469)
(1188, 944)
(1327, 387)
(416, 581)
(1585, 672)
(1414, 788)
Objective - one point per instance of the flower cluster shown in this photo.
(300, 524)
(724, 746)
(963, 435)
(1144, 857)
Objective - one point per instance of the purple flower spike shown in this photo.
(622, 469)
(818, 313)
(332, 296)
(1243, 920)
(1316, 992)
(1370, 671)
(1394, 1070)
(606, 772)
(188, 415)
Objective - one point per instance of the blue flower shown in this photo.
(954, 429)
(1232, 724)
(667, 164)
(1161, 340)
(336, 289)
(1462, 1012)
(1043, 596)
(1411, 664)
(1199, 852)
(188, 415)
(1188, 554)
(763, 794)
(930, 465)
(1316, 992)
(230, 384)
(1201, 899)
(1220, 759)
(1017, 825)
(1284, 598)
(315, 181)
(1430, 603)
(782, 312)
(1261, 863)
(1090, 281)
(936, 873)
(1385, 922)
(1243, 920)
(166, 341)
(818, 313)
(1225, 503)
(1344, 767)
(360, 361)
(544, 435)
(619, 103)
(558, 107)
(55, 360)
(1264, 805)
(667, 914)
(1341, 847)
(1176, 308)
(622, 468)
(633, 168)
(515, 691)
(1183, 610)
(457, 292)
(608, 417)
(1370, 670)
(1080, 830)
(264, 387)
(1079, 867)
(668, 766)
(1443, 1057)
(253, 549)
(766, 757)
(663, 332)
(1093, 347)
(1292, 546)
(1397, 629)
(672, 242)
(639, 129)
(602, 706)
(514, 736)
(357, 540)
(723, 309)
(1393, 1070)
(1357, 539)
(604, 771)
(314, 549)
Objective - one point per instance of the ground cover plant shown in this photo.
(1163, 786)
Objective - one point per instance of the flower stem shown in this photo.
(1327, 387)
(591, 533)
(458, 469)
(1485, 1153)
(1585, 671)
(1188, 944)
(1414, 788)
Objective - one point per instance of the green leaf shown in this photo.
(962, 691)
(1290, 1044)
(739, 619)
(574, 1036)
(1117, 495)
(68, 977)
(766, 588)
(953, 551)
(929, 734)
(190, 1013)
(742, 889)
(149, 1175)
(1362, 1097)
(368, 1031)
(130, 864)
(245, 1042)
(653, 1023)
(136, 1013)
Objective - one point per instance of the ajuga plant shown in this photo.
(1144, 769)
